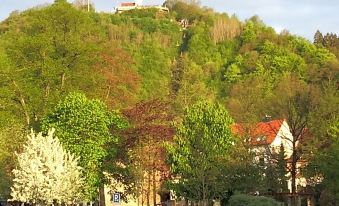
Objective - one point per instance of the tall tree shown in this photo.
(50, 54)
(202, 143)
(191, 84)
(296, 103)
(150, 130)
(84, 128)
(318, 38)
(122, 81)
(322, 168)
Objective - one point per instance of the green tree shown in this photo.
(281, 169)
(248, 34)
(192, 85)
(297, 101)
(324, 163)
(84, 128)
(200, 147)
(51, 50)
(12, 138)
(248, 100)
(324, 147)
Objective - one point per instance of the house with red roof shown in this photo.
(269, 136)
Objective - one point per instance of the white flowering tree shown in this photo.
(46, 173)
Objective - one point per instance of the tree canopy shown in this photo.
(76, 70)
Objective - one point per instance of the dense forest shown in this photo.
(120, 88)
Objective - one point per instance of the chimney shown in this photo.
(267, 118)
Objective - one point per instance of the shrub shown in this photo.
(247, 200)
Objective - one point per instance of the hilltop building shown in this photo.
(137, 4)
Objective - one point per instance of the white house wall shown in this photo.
(284, 137)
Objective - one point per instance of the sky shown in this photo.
(300, 17)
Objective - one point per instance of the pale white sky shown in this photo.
(301, 17)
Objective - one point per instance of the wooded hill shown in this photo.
(48, 52)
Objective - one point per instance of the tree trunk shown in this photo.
(22, 103)
(142, 193)
(204, 192)
(108, 93)
(294, 175)
(47, 90)
(24, 107)
(102, 195)
(148, 189)
(63, 79)
(154, 187)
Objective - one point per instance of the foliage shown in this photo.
(191, 84)
(48, 52)
(324, 150)
(84, 128)
(46, 173)
(247, 200)
(199, 151)
(154, 68)
(324, 163)
(225, 28)
(150, 130)
(12, 137)
(248, 33)
(249, 100)
(122, 81)
(330, 41)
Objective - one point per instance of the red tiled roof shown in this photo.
(127, 4)
(262, 133)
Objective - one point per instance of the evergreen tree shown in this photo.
(281, 169)
(318, 38)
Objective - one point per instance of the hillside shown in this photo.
(142, 55)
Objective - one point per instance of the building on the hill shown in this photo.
(137, 4)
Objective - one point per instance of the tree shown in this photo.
(200, 147)
(225, 28)
(46, 173)
(12, 138)
(318, 38)
(249, 99)
(281, 169)
(295, 101)
(145, 139)
(191, 84)
(324, 149)
(84, 128)
(324, 165)
(51, 51)
(82, 5)
(123, 82)
(248, 34)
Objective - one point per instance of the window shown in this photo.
(261, 138)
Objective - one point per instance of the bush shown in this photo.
(247, 200)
